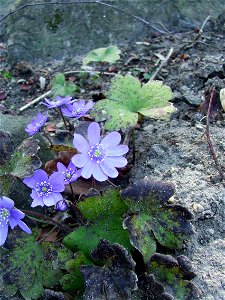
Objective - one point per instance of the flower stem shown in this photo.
(64, 120)
(133, 143)
(72, 191)
(47, 137)
(45, 218)
(93, 182)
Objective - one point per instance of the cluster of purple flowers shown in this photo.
(97, 157)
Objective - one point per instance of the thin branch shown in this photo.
(82, 2)
(36, 100)
(207, 132)
(203, 25)
(162, 64)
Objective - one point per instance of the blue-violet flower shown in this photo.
(62, 205)
(10, 216)
(78, 109)
(45, 191)
(70, 173)
(99, 158)
(35, 125)
(58, 102)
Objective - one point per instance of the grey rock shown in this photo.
(56, 32)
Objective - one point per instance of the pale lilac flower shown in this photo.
(45, 191)
(58, 102)
(99, 158)
(10, 216)
(62, 205)
(70, 173)
(78, 109)
(35, 125)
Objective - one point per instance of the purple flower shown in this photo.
(45, 191)
(99, 158)
(77, 109)
(58, 102)
(10, 216)
(61, 205)
(35, 125)
(70, 173)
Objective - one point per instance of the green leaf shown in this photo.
(175, 275)
(105, 216)
(127, 97)
(29, 266)
(153, 219)
(74, 280)
(110, 54)
(116, 279)
(63, 88)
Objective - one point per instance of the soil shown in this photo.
(172, 151)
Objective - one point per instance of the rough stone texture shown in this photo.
(177, 152)
(84, 27)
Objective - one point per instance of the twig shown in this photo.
(82, 2)
(162, 64)
(208, 138)
(34, 101)
(90, 71)
(203, 24)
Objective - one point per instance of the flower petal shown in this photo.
(6, 202)
(24, 227)
(116, 161)
(16, 214)
(80, 143)
(98, 173)
(49, 200)
(117, 150)
(57, 182)
(61, 167)
(109, 169)
(30, 182)
(88, 169)
(112, 139)
(40, 175)
(88, 106)
(37, 202)
(80, 160)
(3, 232)
(94, 133)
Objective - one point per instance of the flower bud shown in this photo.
(61, 205)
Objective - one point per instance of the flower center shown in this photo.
(77, 111)
(4, 215)
(43, 189)
(69, 174)
(97, 153)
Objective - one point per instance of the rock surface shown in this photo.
(57, 31)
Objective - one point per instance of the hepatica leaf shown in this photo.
(126, 98)
(150, 289)
(152, 219)
(29, 267)
(109, 54)
(105, 216)
(61, 87)
(74, 280)
(115, 279)
(175, 275)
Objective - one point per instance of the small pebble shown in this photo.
(197, 207)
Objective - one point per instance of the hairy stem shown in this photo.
(209, 141)
(45, 218)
